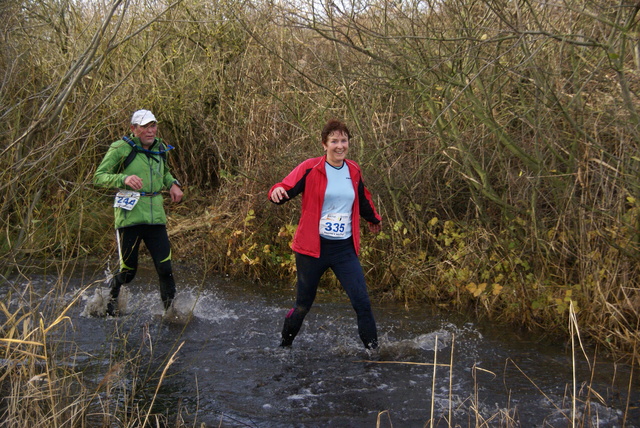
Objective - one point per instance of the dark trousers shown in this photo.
(340, 256)
(156, 240)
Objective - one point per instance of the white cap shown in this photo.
(142, 117)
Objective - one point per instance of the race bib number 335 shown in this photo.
(126, 199)
(335, 225)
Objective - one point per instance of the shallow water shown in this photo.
(230, 372)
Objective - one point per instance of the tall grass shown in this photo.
(500, 140)
(578, 407)
(43, 385)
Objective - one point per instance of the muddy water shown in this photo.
(230, 372)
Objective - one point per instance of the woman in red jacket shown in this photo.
(328, 236)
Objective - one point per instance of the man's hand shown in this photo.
(176, 193)
(134, 182)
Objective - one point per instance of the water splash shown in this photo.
(181, 311)
(187, 304)
(96, 304)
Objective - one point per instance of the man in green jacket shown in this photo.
(136, 165)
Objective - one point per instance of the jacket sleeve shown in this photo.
(367, 210)
(168, 179)
(294, 183)
(106, 175)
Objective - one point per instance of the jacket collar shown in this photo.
(139, 144)
(323, 160)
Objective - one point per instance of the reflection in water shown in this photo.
(230, 372)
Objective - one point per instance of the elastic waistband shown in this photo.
(326, 241)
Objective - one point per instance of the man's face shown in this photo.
(146, 133)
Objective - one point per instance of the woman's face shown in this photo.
(336, 146)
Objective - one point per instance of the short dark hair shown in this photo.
(334, 125)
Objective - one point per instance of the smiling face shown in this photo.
(336, 146)
(146, 133)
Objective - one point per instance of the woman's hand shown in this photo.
(375, 228)
(279, 194)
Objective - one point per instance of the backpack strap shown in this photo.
(135, 150)
(132, 154)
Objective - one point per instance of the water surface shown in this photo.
(230, 372)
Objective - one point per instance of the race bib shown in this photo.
(126, 199)
(335, 225)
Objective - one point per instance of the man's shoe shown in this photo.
(112, 308)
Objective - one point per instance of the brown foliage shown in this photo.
(500, 140)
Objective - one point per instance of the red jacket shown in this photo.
(310, 179)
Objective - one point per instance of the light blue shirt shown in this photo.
(335, 221)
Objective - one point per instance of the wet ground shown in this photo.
(230, 372)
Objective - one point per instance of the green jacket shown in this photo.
(155, 175)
